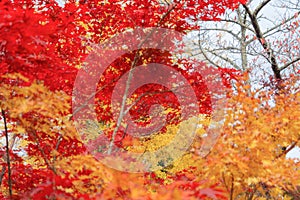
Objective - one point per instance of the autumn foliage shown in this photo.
(43, 47)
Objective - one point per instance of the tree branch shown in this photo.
(232, 187)
(225, 59)
(264, 43)
(2, 174)
(260, 6)
(292, 146)
(59, 139)
(289, 63)
(130, 74)
(36, 138)
(238, 23)
(224, 30)
(280, 24)
(7, 155)
(243, 46)
(206, 57)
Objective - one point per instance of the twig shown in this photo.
(4, 158)
(289, 63)
(7, 155)
(51, 167)
(224, 181)
(59, 139)
(293, 145)
(262, 4)
(232, 189)
(2, 174)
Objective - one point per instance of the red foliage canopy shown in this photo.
(47, 43)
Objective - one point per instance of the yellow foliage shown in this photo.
(249, 153)
(46, 108)
(99, 177)
(247, 160)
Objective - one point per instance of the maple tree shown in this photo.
(248, 37)
(43, 48)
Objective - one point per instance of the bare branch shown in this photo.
(225, 59)
(7, 154)
(278, 25)
(260, 6)
(59, 139)
(292, 146)
(206, 57)
(2, 174)
(31, 131)
(289, 63)
(243, 46)
(5, 158)
(224, 30)
(264, 43)
(238, 23)
(232, 187)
